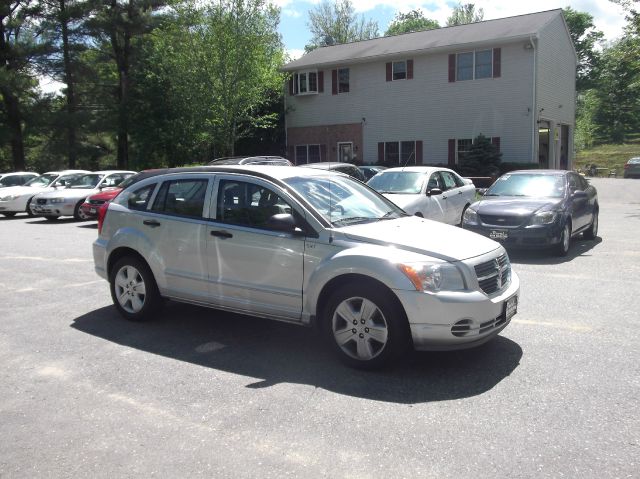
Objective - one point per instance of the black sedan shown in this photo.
(536, 208)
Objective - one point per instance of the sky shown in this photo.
(608, 17)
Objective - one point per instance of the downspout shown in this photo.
(286, 130)
(535, 101)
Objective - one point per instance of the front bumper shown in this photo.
(90, 211)
(57, 209)
(456, 320)
(538, 236)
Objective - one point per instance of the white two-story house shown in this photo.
(421, 98)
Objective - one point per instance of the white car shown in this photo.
(435, 193)
(17, 199)
(17, 178)
(309, 247)
(67, 201)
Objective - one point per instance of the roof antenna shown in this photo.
(413, 154)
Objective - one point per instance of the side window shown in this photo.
(248, 204)
(574, 184)
(181, 198)
(449, 181)
(459, 181)
(584, 184)
(139, 199)
(434, 181)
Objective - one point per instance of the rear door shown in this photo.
(435, 205)
(251, 267)
(453, 200)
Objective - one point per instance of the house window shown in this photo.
(305, 83)
(463, 149)
(400, 152)
(343, 80)
(400, 70)
(474, 65)
(307, 154)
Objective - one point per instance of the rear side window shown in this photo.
(139, 199)
(449, 180)
(181, 198)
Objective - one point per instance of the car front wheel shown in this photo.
(592, 231)
(134, 290)
(562, 248)
(365, 326)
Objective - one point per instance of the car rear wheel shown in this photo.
(562, 248)
(592, 232)
(28, 209)
(365, 326)
(133, 289)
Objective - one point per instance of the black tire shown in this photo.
(562, 248)
(51, 217)
(10, 214)
(384, 346)
(592, 232)
(462, 215)
(134, 290)
(419, 215)
(28, 208)
(77, 214)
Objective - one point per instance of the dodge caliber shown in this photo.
(306, 246)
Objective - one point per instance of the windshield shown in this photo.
(532, 185)
(89, 181)
(405, 182)
(67, 179)
(44, 180)
(343, 201)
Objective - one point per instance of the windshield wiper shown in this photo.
(353, 219)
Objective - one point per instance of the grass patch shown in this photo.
(608, 156)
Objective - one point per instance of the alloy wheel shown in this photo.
(360, 328)
(130, 289)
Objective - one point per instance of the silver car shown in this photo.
(309, 247)
(67, 198)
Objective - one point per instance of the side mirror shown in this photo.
(579, 194)
(284, 222)
(434, 192)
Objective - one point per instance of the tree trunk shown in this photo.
(14, 119)
(71, 98)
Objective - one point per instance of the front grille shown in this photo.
(501, 220)
(494, 275)
(96, 202)
(466, 327)
(41, 201)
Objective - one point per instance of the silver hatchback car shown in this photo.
(306, 246)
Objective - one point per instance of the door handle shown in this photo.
(152, 223)
(221, 234)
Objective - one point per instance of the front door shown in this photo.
(251, 267)
(345, 152)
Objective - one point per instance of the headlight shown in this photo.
(470, 216)
(433, 277)
(56, 200)
(544, 218)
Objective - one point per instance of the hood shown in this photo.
(68, 193)
(423, 236)
(402, 200)
(106, 195)
(513, 205)
(20, 190)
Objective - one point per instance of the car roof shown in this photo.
(110, 172)
(241, 160)
(415, 169)
(327, 165)
(537, 172)
(278, 172)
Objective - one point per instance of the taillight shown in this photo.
(626, 165)
(102, 213)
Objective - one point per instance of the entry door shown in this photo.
(250, 266)
(345, 152)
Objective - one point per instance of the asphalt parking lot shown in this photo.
(200, 393)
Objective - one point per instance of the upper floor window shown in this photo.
(305, 82)
(400, 152)
(474, 65)
(400, 70)
(307, 154)
(343, 80)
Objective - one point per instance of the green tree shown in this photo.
(332, 24)
(483, 158)
(585, 38)
(465, 13)
(20, 46)
(413, 21)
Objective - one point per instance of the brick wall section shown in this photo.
(330, 136)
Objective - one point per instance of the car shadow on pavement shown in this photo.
(579, 247)
(283, 353)
(44, 221)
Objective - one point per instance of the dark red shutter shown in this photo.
(452, 152)
(380, 152)
(452, 68)
(389, 71)
(497, 67)
(495, 141)
(334, 82)
(290, 152)
(323, 152)
(409, 69)
(419, 152)
(320, 81)
(291, 86)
